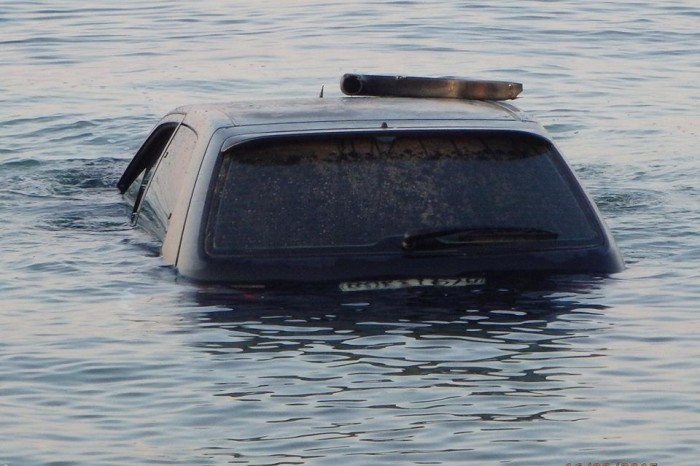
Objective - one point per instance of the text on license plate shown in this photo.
(411, 283)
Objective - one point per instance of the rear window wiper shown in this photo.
(451, 237)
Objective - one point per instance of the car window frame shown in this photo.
(148, 153)
(159, 226)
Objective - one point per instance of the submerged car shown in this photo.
(405, 182)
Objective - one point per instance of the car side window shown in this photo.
(131, 183)
(164, 182)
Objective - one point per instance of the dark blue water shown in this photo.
(107, 359)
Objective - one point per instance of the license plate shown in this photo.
(412, 283)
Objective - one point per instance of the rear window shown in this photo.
(363, 191)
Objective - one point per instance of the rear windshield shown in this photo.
(360, 191)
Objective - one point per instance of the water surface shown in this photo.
(107, 359)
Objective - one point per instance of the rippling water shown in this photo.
(107, 359)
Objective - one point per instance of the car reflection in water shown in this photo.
(524, 314)
(421, 373)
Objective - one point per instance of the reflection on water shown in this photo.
(490, 315)
(401, 374)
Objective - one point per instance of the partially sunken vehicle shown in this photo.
(406, 182)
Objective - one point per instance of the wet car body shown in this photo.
(363, 193)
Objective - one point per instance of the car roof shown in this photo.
(348, 109)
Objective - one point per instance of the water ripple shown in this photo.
(107, 358)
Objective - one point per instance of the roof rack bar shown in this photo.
(413, 86)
